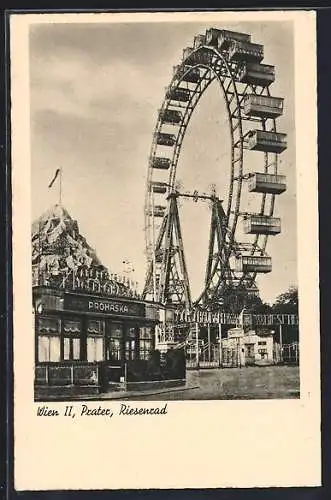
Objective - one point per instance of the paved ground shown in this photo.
(269, 382)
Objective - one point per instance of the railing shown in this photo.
(74, 281)
(288, 354)
(203, 356)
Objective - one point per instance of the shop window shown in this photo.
(48, 326)
(94, 349)
(48, 348)
(130, 349)
(146, 347)
(71, 339)
(145, 342)
(95, 342)
(130, 343)
(48, 331)
(71, 348)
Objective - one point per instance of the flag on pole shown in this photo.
(54, 178)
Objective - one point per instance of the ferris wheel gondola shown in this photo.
(235, 62)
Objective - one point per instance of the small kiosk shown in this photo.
(242, 348)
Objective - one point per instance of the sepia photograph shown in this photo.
(165, 249)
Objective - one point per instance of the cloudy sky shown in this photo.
(95, 92)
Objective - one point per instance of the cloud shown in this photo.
(84, 89)
(135, 43)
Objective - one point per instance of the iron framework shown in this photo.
(167, 277)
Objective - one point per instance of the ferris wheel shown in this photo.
(235, 256)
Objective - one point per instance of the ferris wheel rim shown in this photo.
(180, 139)
(179, 143)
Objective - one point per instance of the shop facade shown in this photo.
(87, 344)
(93, 332)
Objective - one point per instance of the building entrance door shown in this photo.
(249, 354)
(113, 366)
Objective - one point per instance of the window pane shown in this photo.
(90, 349)
(116, 330)
(114, 349)
(48, 325)
(76, 348)
(145, 349)
(43, 348)
(98, 349)
(146, 332)
(131, 333)
(95, 326)
(146, 345)
(145, 354)
(71, 327)
(129, 349)
(66, 348)
(54, 349)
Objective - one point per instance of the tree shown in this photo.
(287, 302)
(255, 305)
(235, 298)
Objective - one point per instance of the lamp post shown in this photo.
(219, 305)
(37, 309)
(197, 343)
(209, 341)
(273, 346)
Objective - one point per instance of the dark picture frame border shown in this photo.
(6, 291)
